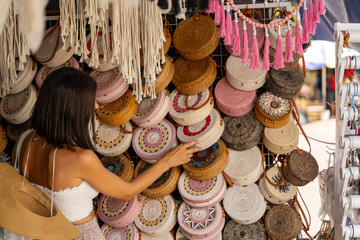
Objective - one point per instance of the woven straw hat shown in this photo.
(196, 37)
(209, 162)
(285, 84)
(128, 232)
(188, 110)
(119, 165)
(244, 205)
(164, 185)
(281, 140)
(194, 76)
(3, 139)
(201, 194)
(158, 215)
(180, 236)
(24, 77)
(253, 231)
(282, 223)
(244, 167)
(25, 210)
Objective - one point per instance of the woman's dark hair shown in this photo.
(64, 108)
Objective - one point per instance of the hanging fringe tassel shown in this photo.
(322, 9)
(298, 41)
(278, 58)
(316, 11)
(305, 32)
(211, 7)
(289, 45)
(311, 23)
(217, 18)
(236, 51)
(254, 52)
(266, 59)
(222, 31)
(244, 45)
(229, 27)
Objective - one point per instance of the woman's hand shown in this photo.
(180, 154)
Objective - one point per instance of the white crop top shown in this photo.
(74, 203)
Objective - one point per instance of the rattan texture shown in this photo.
(14, 131)
(281, 140)
(285, 84)
(24, 77)
(119, 165)
(3, 139)
(130, 232)
(253, 231)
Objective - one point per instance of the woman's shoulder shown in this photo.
(84, 156)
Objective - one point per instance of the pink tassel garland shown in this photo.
(229, 28)
(289, 46)
(217, 13)
(316, 11)
(211, 6)
(266, 61)
(311, 23)
(254, 52)
(305, 33)
(322, 9)
(278, 58)
(244, 45)
(236, 51)
(298, 41)
(222, 31)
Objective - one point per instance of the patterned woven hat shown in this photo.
(53, 51)
(272, 111)
(188, 110)
(207, 131)
(285, 84)
(231, 101)
(209, 162)
(164, 185)
(17, 108)
(24, 77)
(282, 223)
(203, 223)
(253, 231)
(152, 143)
(300, 168)
(243, 132)
(166, 236)
(192, 77)
(244, 205)
(129, 232)
(118, 213)
(201, 194)
(283, 190)
(119, 111)
(241, 76)
(112, 140)
(244, 167)
(281, 140)
(181, 236)
(110, 85)
(119, 165)
(45, 71)
(196, 37)
(150, 112)
(14, 131)
(158, 215)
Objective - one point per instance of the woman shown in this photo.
(57, 156)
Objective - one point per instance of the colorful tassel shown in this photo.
(266, 61)
(236, 51)
(222, 31)
(229, 28)
(244, 45)
(298, 41)
(211, 7)
(322, 9)
(279, 57)
(316, 11)
(254, 51)
(217, 18)
(311, 23)
(289, 45)
(305, 32)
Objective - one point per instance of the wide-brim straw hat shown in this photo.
(25, 210)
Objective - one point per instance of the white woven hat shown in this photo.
(24, 77)
(281, 140)
(180, 236)
(166, 236)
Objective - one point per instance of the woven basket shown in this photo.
(241, 76)
(129, 232)
(112, 140)
(273, 34)
(285, 84)
(164, 78)
(3, 139)
(118, 213)
(194, 76)
(300, 168)
(253, 231)
(245, 205)
(118, 112)
(242, 133)
(119, 165)
(272, 111)
(24, 77)
(14, 131)
(282, 223)
(201, 223)
(231, 101)
(281, 140)
(180, 236)
(287, 65)
(188, 110)
(209, 162)
(196, 37)
(158, 215)
(244, 167)
(166, 236)
(164, 185)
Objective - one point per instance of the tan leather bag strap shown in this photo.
(248, 12)
(296, 117)
(265, 175)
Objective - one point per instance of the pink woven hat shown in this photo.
(129, 232)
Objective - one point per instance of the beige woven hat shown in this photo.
(25, 210)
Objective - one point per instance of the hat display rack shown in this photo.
(243, 170)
